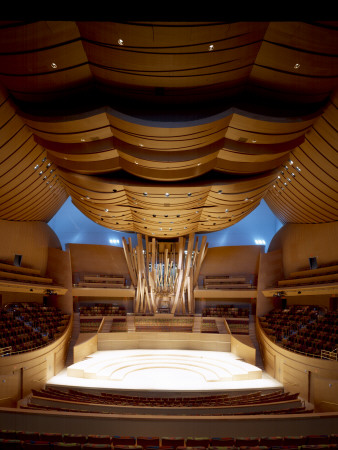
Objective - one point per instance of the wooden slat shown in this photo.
(19, 276)
(19, 269)
(308, 280)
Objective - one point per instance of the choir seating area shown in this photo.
(169, 324)
(244, 281)
(320, 275)
(277, 402)
(90, 325)
(11, 439)
(119, 324)
(99, 281)
(308, 329)
(238, 326)
(225, 311)
(27, 326)
(102, 309)
(209, 326)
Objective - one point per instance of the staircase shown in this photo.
(197, 324)
(252, 334)
(130, 323)
(75, 335)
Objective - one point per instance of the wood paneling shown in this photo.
(295, 371)
(231, 260)
(302, 241)
(98, 259)
(29, 239)
(30, 370)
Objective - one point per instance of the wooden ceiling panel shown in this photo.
(194, 121)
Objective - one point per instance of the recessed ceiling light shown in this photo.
(293, 175)
(189, 194)
(106, 210)
(297, 66)
(145, 193)
(88, 198)
(83, 140)
(290, 161)
(298, 169)
(211, 47)
(40, 173)
(120, 41)
(220, 191)
(167, 194)
(36, 167)
(54, 65)
(136, 163)
(226, 210)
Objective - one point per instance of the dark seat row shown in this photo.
(48, 441)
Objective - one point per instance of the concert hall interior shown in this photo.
(168, 234)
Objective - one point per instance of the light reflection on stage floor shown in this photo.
(164, 370)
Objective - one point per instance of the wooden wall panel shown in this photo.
(270, 271)
(29, 239)
(30, 370)
(231, 260)
(315, 379)
(103, 259)
(59, 269)
(302, 241)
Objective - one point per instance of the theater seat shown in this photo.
(314, 439)
(91, 446)
(36, 445)
(10, 444)
(8, 434)
(66, 446)
(173, 441)
(76, 438)
(273, 441)
(294, 440)
(222, 442)
(98, 439)
(147, 441)
(197, 442)
(51, 437)
(29, 436)
(123, 440)
(247, 441)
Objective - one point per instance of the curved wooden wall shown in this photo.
(315, 379)
(299, 242)
(23, 372)
(29, 239)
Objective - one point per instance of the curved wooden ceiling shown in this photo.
(169, 128)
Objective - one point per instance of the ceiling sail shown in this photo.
(210, 113)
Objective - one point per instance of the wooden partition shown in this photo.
(315, 379)
(29, 239)
(21, 373)
(99, 259)
(155, 425)
(299, 242)
(231, 260)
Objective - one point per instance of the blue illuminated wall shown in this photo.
(71, 226)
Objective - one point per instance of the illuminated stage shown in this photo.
(164, 370)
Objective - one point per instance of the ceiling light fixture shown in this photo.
(211, 47)
(167, 194)
(120, 41)
(54, 65)
(297, 66)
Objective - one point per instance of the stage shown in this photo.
(164, 372)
